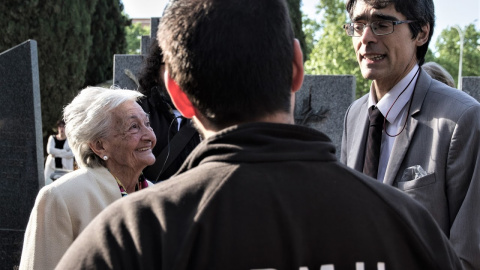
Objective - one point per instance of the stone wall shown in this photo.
(21, 147)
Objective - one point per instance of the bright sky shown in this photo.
(448, 12)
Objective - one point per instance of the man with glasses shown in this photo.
(410, 131)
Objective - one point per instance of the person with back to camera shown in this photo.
(60, 156)
(176, 137)
(259, 192)
(409, 131)
(111, 138)
(438, 73)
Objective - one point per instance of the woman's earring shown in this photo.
(105, 157)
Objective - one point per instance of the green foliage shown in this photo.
(296, 18)
(448, 51)
(108, 34)
(134, 33)
(429, 57)
(333, 54)
(62, 31)
(310, 28)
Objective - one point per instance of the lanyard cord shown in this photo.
(409, 106)
(168, 147)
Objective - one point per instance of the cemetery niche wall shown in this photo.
(21, 146)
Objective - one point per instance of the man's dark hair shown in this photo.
(149, 76)
(233, 58)
(60, 123)
(420, 11)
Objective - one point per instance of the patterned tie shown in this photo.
(374, 140)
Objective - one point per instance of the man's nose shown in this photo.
(368, 35)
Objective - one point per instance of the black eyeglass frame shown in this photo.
(350, 27)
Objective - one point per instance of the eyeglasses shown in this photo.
(379, 28)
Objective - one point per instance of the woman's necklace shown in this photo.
(123, 190)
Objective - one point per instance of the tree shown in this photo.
(134, 33)
(448, 51)
(333, 54)
(62, 31)
(311, 29)
(429, 56)
(108, 34)
(296, 18)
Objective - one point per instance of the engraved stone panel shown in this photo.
(321, 103)
(126, 69)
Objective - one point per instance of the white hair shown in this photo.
(88, 118)
(437, 72)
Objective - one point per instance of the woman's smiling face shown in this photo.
(132, 139)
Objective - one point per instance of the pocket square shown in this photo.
(412, 173)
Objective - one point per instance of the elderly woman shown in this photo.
(111, 138)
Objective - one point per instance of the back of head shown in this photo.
(439, 73)
(233, 58)
(420, 11)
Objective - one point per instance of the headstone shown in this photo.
(21, 147)
(126, 69)
(471, 86)
(321, 104)
(146, 40)
(154, 22)
(145, 45)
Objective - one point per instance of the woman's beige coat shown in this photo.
(62, 210)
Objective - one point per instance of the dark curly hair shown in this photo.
(150, 80)
(149, 77)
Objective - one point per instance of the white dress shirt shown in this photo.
(395, 114)
(179, 118)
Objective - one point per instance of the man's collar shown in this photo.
(390, 99)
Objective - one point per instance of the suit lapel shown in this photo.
(402, 142)
(357, 153)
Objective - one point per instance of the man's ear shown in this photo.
(422, 36)
(297, 74)
(179, 98)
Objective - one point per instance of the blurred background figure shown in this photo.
(438, 73)
(112, 140)
(60, 157)
(176, 136)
